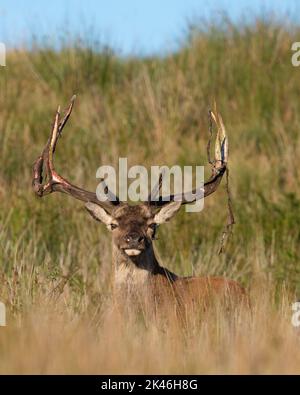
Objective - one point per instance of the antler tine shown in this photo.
(64, 120)
(156, 189)
(219, 165)
(221, 147)
(51, 146)
(56, 183)
(67, 113)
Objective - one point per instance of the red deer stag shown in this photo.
(133, 228)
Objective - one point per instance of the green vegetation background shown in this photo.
(154, 111)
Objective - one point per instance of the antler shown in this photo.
(56, 183)
(218, 169)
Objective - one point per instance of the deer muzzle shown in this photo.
(134, 243)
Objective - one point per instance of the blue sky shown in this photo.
(131, 26)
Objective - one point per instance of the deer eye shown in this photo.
(153, 226)
(113, 226)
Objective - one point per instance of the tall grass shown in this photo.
(55, 264)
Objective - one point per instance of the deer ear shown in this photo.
(167, 212)
(98, 213)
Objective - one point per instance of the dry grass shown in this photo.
(52, 338)
(55, 265)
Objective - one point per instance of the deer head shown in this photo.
(133, 227)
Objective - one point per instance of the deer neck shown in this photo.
(132, 272)
(135, 269)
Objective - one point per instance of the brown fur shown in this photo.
(141, 277)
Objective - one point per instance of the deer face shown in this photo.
(133, 227)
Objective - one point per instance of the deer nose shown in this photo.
(134, 237)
